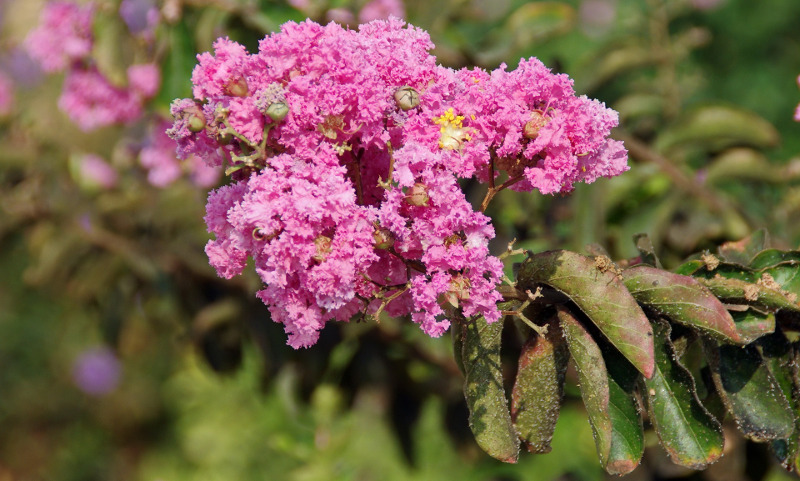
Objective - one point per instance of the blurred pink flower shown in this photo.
(63, 37)
(159, 157)
(341, 16)
(95, 171)
(597, 16)
(96, 371)
(91, 101)
(141, 16)
(301, 5)
(6, 94)
(144, 79)
(381, 10)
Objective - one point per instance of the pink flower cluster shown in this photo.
(63, 42)
(157, 156)
(345, 150)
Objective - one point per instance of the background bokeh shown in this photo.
(124, 357)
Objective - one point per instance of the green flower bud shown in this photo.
(195, 119)
(278, 111)
(406, 97)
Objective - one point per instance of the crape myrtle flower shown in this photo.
(345, 149)
(63, 37)
(92, 101)
(158, 156)
(63, 42)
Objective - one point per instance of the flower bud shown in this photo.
(532, 127)
(383, 238)
(458, 290)
(323, 245)
(278, 111)
(406, 97)
(195, 119)
(418, 195)
(237, 87)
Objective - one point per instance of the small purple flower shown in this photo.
(96, 371)
(139, 15)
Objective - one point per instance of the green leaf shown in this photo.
(750, 392)
(753, 324)
(597, 289)
(735, 291)
(785, 275)
(728, 271)
(611, 405)
(781, 359)
(457, 332)
(109, 50)
(717, 126)
(537, 21)
(690, 267)
(744, 163)
(176, 69)
(687, 431)
(613, 63)
(773, 257)
(681, 298)
(489, 418)
(539, 387)
(742, 251)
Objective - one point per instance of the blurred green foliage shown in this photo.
(209, 390)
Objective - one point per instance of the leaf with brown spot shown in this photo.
(600, 294)
(735, 291)
(681, 298)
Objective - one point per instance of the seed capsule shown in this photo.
(406, 97)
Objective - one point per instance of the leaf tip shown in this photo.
(621, 466)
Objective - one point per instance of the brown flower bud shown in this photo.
(383, 238)
(458, 290)
(323, 245)
(535, 124)
(237, 87)
(418, 195)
